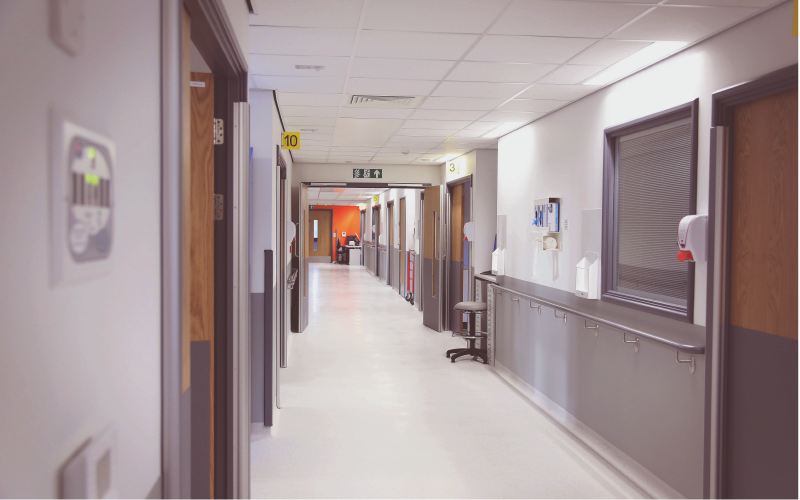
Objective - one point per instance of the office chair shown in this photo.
(341, 252)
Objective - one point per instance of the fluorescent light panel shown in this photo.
(502, 129)
(648, 55)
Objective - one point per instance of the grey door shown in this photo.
(433, 254)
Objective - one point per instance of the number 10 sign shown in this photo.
(290, 140)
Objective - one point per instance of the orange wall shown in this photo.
(345, 219)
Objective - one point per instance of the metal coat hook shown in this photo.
(555, 313)
(539, 307)
(596, 328)
(679, 360)
(514, 300)
(634, 342)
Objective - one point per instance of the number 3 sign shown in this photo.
(290, 140)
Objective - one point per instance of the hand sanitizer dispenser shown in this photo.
(692, 236)
(498, 256)
(587, 277)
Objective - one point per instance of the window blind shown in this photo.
(654, 171)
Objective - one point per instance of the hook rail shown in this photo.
(555, 313)
(634, 342)
(692, 366)
(538, 306)
(596, 328)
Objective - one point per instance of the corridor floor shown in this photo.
(372, 408)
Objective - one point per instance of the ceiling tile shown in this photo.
(501, 116)
(440, 124)
(471, 133)
(479, 89)
(532, 105)
(363, 132)
(322, 85)
(309, 138)
(726, 3)
(483, 126)
(530, 49)
(402, 45)
(559, 18)
(312, 121)
(308, 99)
(460, 103)
(348, 112)
(607, 52)
(321, 111)
(426, 132)
(436, 16)
(571, 74)
(301, 41)
(313, 149)
(382, 86)
(355, 148)
(470, 71)
(558, 92)
(395, 150)
(307, 13)
(422, 69)
(683, 24)
(447, 114)
(313, 129)
(278, 65)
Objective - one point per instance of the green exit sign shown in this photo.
(367, 173)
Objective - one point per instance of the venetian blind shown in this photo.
(654, 171)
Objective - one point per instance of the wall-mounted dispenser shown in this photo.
(469, 231)
(587, 277)
(692, 236)
(498, 256)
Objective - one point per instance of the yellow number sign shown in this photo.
(376, 199)
(290, 140)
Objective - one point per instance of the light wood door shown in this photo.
(760, 425)
(320, 231)
(202, 240)
(390, 239)
(456, 260)
(403, 278)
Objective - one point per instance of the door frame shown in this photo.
(216, 41)
(389, 240)
(718, 278)
(449, 214)
(402, 211)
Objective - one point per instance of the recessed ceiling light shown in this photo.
(425, 159)
(502, 129)
(348, 161)
(308, 129)
(636, 61)
(405, 151)
(308, 66)
(448, 157)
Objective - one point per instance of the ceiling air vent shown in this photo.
(383, 101)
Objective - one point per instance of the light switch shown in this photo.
(66, 25)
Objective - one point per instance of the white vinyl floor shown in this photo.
(371, 408)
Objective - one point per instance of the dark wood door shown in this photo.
(760, 424)
(390, 241)
(433, 249)
(402, 288)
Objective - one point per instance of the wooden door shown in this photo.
(433, 251)
(390, 240)
(760, 424)
(320, 229)
(299, 305)
(456, 260)
(402, 264)
(376, 229)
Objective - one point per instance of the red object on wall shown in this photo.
(345, 220)
(684, 254)
(410, 276)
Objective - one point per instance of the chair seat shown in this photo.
(470, 306)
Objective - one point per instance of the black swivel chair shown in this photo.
(341, 252)
(471, 309)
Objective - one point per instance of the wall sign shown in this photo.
(290, 140)
(452, 167)
(376, 199)
(311, 207)
(367, 173)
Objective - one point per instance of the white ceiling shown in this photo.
(341, 196)
(474, 64)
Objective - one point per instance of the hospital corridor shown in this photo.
(399, 249)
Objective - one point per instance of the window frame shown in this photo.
(610, 231)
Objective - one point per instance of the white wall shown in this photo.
(76, 359)
(561, 155)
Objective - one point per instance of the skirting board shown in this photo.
(640, 478)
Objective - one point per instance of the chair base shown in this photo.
(454, 354)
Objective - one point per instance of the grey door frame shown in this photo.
(448, 293)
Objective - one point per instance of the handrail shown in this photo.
(687, 348)
(292, 279)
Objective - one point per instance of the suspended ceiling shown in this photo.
(471, 65)
(341, 196)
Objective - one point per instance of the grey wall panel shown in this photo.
(761, 436)
(201, 418)
(156, 490)
(644, 403)
(315, 259)
(257, 335)
(395, 268)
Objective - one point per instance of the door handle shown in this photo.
(297, 240)
(444, 234)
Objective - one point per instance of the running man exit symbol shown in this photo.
(367, 173)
